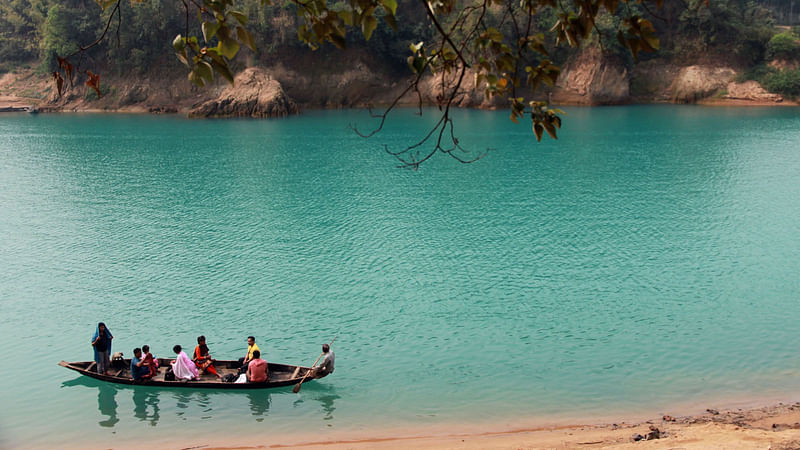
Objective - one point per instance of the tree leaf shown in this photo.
(94, 82)
(337, 40)
(205, 71)
(228, 48)
(182, 57)
(551, 130)
(223, 70)
(246, 38)
(105, 4)
(538, 131)
(391, 21)
(195, 78)
(390, 6)
(347, 17)
(178, 43)
(368, 26)
(239, 16)
(209, 30)
(59, 83)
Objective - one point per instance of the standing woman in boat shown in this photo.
(203, 359)
(101, 341)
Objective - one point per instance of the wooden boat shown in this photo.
(279, 375)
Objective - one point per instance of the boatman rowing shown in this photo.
(325, 366)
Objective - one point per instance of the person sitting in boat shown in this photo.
(149, 361)
(139, 371)
(325, 366)
(182, 366)
(251, 347)
(202, 358)
(101, 341)
(257, 369)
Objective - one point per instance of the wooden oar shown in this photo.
(296, 387)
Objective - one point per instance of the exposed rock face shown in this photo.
(254, 94)
(593, 79)
(751, 90)
(697, 82)
(469, 96)
(651, 81)
(783, 64)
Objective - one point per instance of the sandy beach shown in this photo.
(774, 427)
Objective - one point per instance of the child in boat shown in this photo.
(149, 361)
(202, 358)
(182, 366)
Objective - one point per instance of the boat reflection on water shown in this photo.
(187, 400)
(325, 394)
(199, 403)
(144, 398)
(107, 404)
(106, 398)
(327, 405)
(260, 403)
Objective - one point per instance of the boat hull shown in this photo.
(280, 375)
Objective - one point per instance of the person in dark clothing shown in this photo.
(101, 341)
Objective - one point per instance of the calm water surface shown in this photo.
(647, 259)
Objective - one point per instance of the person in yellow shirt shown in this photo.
(251, 347)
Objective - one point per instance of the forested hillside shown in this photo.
(746, 35)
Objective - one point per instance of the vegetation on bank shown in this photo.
(34, 32)
(782, 74)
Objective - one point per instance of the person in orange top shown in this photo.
(257, 369)
(149, 361)
(202, 359)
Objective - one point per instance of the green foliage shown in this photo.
(755, 73)
(68, 25)
(17, 31)
(784, 46)
(785, 82)
(143, 42)
(725, 27)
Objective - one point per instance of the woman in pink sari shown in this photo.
(182, 366)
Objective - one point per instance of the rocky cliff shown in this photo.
(276, 90)
(254, 94)
(592, 78)
(695, 83)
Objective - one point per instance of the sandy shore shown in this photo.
(14, 91)
(744, 102)
(775, 427)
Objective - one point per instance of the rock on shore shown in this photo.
(253, 94)
(697, 82)
(751, 90)
(593, 78)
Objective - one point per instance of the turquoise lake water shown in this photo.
(645, 261)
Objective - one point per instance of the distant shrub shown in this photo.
(757, 73)
(784, 82)
(784, 45)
